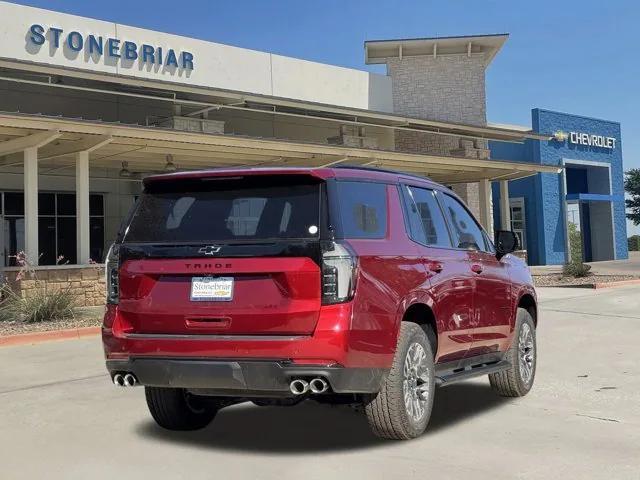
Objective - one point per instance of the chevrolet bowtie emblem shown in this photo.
(209, 250)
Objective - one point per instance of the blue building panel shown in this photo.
(591, 152)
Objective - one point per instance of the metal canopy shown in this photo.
(200, 99)
(146, 150)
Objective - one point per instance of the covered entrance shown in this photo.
(589, 206)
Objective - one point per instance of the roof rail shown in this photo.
(382, 170)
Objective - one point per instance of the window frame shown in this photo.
(485, 236)
(406, 199)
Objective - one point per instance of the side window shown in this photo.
(363, 208)
(426, 221)
(465, 230)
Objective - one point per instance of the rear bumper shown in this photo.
(243, 377)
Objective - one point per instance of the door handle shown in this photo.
(476, 268)
(435, 267)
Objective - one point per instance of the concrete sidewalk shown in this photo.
(60, 417)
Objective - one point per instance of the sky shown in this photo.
(575, 56)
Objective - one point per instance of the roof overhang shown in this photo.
(146, 149)
(199, 98)
(378, 51)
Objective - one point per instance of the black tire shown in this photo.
(175, 409)
(386, 411)
(518, 380)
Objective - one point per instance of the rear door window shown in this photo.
(426, 222)
(217, 211)
(363, 209)
(466, 232)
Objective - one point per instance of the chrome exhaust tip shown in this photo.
(318, 385)
(130, 380)
(118, 380)
(299, 387)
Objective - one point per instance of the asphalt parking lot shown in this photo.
(60, 417)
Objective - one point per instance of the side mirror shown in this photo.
(506, 242)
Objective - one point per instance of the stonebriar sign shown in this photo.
(99, 46)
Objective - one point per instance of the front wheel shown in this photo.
(518, 379)
(177, 409)
(402, 408)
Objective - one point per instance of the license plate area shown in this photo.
(211, 289)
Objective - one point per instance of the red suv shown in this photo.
(341, 285)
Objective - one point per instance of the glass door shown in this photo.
(518, 223)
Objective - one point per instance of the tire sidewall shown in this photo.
(414, 334)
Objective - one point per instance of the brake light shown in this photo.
(112, 280)
(339, 271)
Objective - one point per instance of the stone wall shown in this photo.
(449, 88)
(85, 282)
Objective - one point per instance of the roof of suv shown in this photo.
(343, 171)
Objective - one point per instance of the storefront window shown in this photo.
(56, 227)
(518, 225)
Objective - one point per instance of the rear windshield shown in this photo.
(222, 210)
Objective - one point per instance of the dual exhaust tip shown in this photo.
(300, 387)
(297, 386)
(125, 380)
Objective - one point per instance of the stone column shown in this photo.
(449, 88)
(82, 208)
(505, 207)
(31, 205)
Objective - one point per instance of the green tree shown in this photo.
(632, 187)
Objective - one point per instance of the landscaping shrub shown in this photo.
(39, 306)
(575, 243)
(576, 269)
(634, 243)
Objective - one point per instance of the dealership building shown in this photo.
(89, 107)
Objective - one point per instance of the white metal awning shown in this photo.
(146, 150)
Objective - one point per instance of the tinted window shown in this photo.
(66, 204)
(363, 208)
(426, 221)
(465, 230)
(47, 204)
(219, 212)
(96, 205)
(13, 203)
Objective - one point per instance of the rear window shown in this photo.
(226, 211)
(363, 209)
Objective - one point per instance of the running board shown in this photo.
(464, 373)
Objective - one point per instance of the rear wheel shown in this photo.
(402, 408)
(518, 379)
(177, 409)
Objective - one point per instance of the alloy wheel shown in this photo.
(415, 384)
(526, 353)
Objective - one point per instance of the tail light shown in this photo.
(112, 279)
(339, 271)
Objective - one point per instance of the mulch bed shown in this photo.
(16, 327)
(560, 281)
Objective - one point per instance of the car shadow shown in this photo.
(311, 427)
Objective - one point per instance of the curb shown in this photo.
(596, 286)
(621, 283)
(40, 337)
